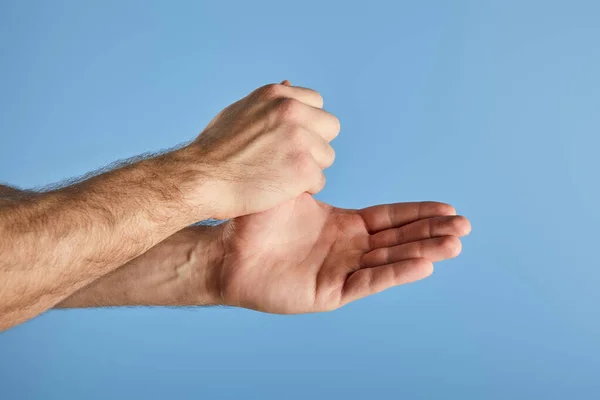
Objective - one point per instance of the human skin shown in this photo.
(261, 151)
(283, 254)
(302, 256)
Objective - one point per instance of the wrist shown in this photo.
(207, 258)
(201, 183)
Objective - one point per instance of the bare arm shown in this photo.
(7, 192)
(302, 256)
(56, 242)
(263, 150)
(11, 194)
(180, 271)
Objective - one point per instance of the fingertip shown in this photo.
(286, 82)
(450, 210)
(462, 225)
(468, 227)
(426, 264)
(451, 244)
(429, 271)
(425, 268)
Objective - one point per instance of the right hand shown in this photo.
(266, 148)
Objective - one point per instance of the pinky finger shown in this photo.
(368, 281)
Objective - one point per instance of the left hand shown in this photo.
(307, 256)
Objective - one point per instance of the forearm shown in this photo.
(7, 191)
(55, 243)
(10, 194)
(183, 270)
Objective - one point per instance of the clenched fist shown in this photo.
(266, 148)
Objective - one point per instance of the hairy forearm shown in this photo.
(10, 194)
(180, 271)
(54, 243)
(7, 191)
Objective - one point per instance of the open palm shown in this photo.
(307, 256)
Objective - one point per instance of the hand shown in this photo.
(265, 149)
(307, 256)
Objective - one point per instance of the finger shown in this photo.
(275, 91)
(311, 116)
(435, 249)
(368, 281)
(387, 216)
(422, 229)
(318, 182)
(320, 149)
(286, 82)
(306, 95)
(320, 121)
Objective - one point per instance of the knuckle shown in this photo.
(293, 145)
(400, 235)
(296, 137)
(304, 167)
(289, 109)
(304, 162)
(438, 225)
(269, 91)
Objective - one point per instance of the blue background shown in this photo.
(492, 106)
